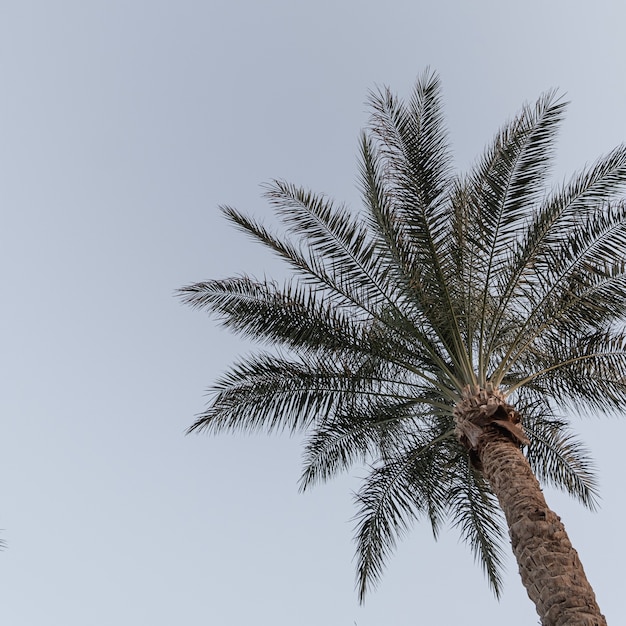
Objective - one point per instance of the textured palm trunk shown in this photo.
(549, 566)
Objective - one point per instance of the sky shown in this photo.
(123, 125)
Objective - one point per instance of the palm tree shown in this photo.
(441, 337)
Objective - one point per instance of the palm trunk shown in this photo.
(551, 571)
(549, 566)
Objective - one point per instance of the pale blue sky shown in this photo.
(123, 124)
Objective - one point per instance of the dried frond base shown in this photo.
(483, 409)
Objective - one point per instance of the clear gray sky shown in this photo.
(123, 124)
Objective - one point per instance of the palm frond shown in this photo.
(310, 268)
(502, 186)
(475, 513)
(550, 224)
(415, 146)
(388, 226)
(416, 159)
(583, 193)
(292, 315)
(583, 370)
(563, 288)
(392, 497)
(267, 392)
(559, 459)
(361, 432)
(333, 235)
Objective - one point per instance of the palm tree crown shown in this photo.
(443, 285)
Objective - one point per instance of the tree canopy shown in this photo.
(443, 282)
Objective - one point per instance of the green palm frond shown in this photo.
(559, 459)
(292, 315)
(582, 194)
(331, 234)
(312, 269)
(412, 141)
(388, 228)
(501, 187)
(585, 371)
(392, 497)
(356, 436)
(475, 512)
(414, 144)
(550, 225)
(571, 287)
(267, 392)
